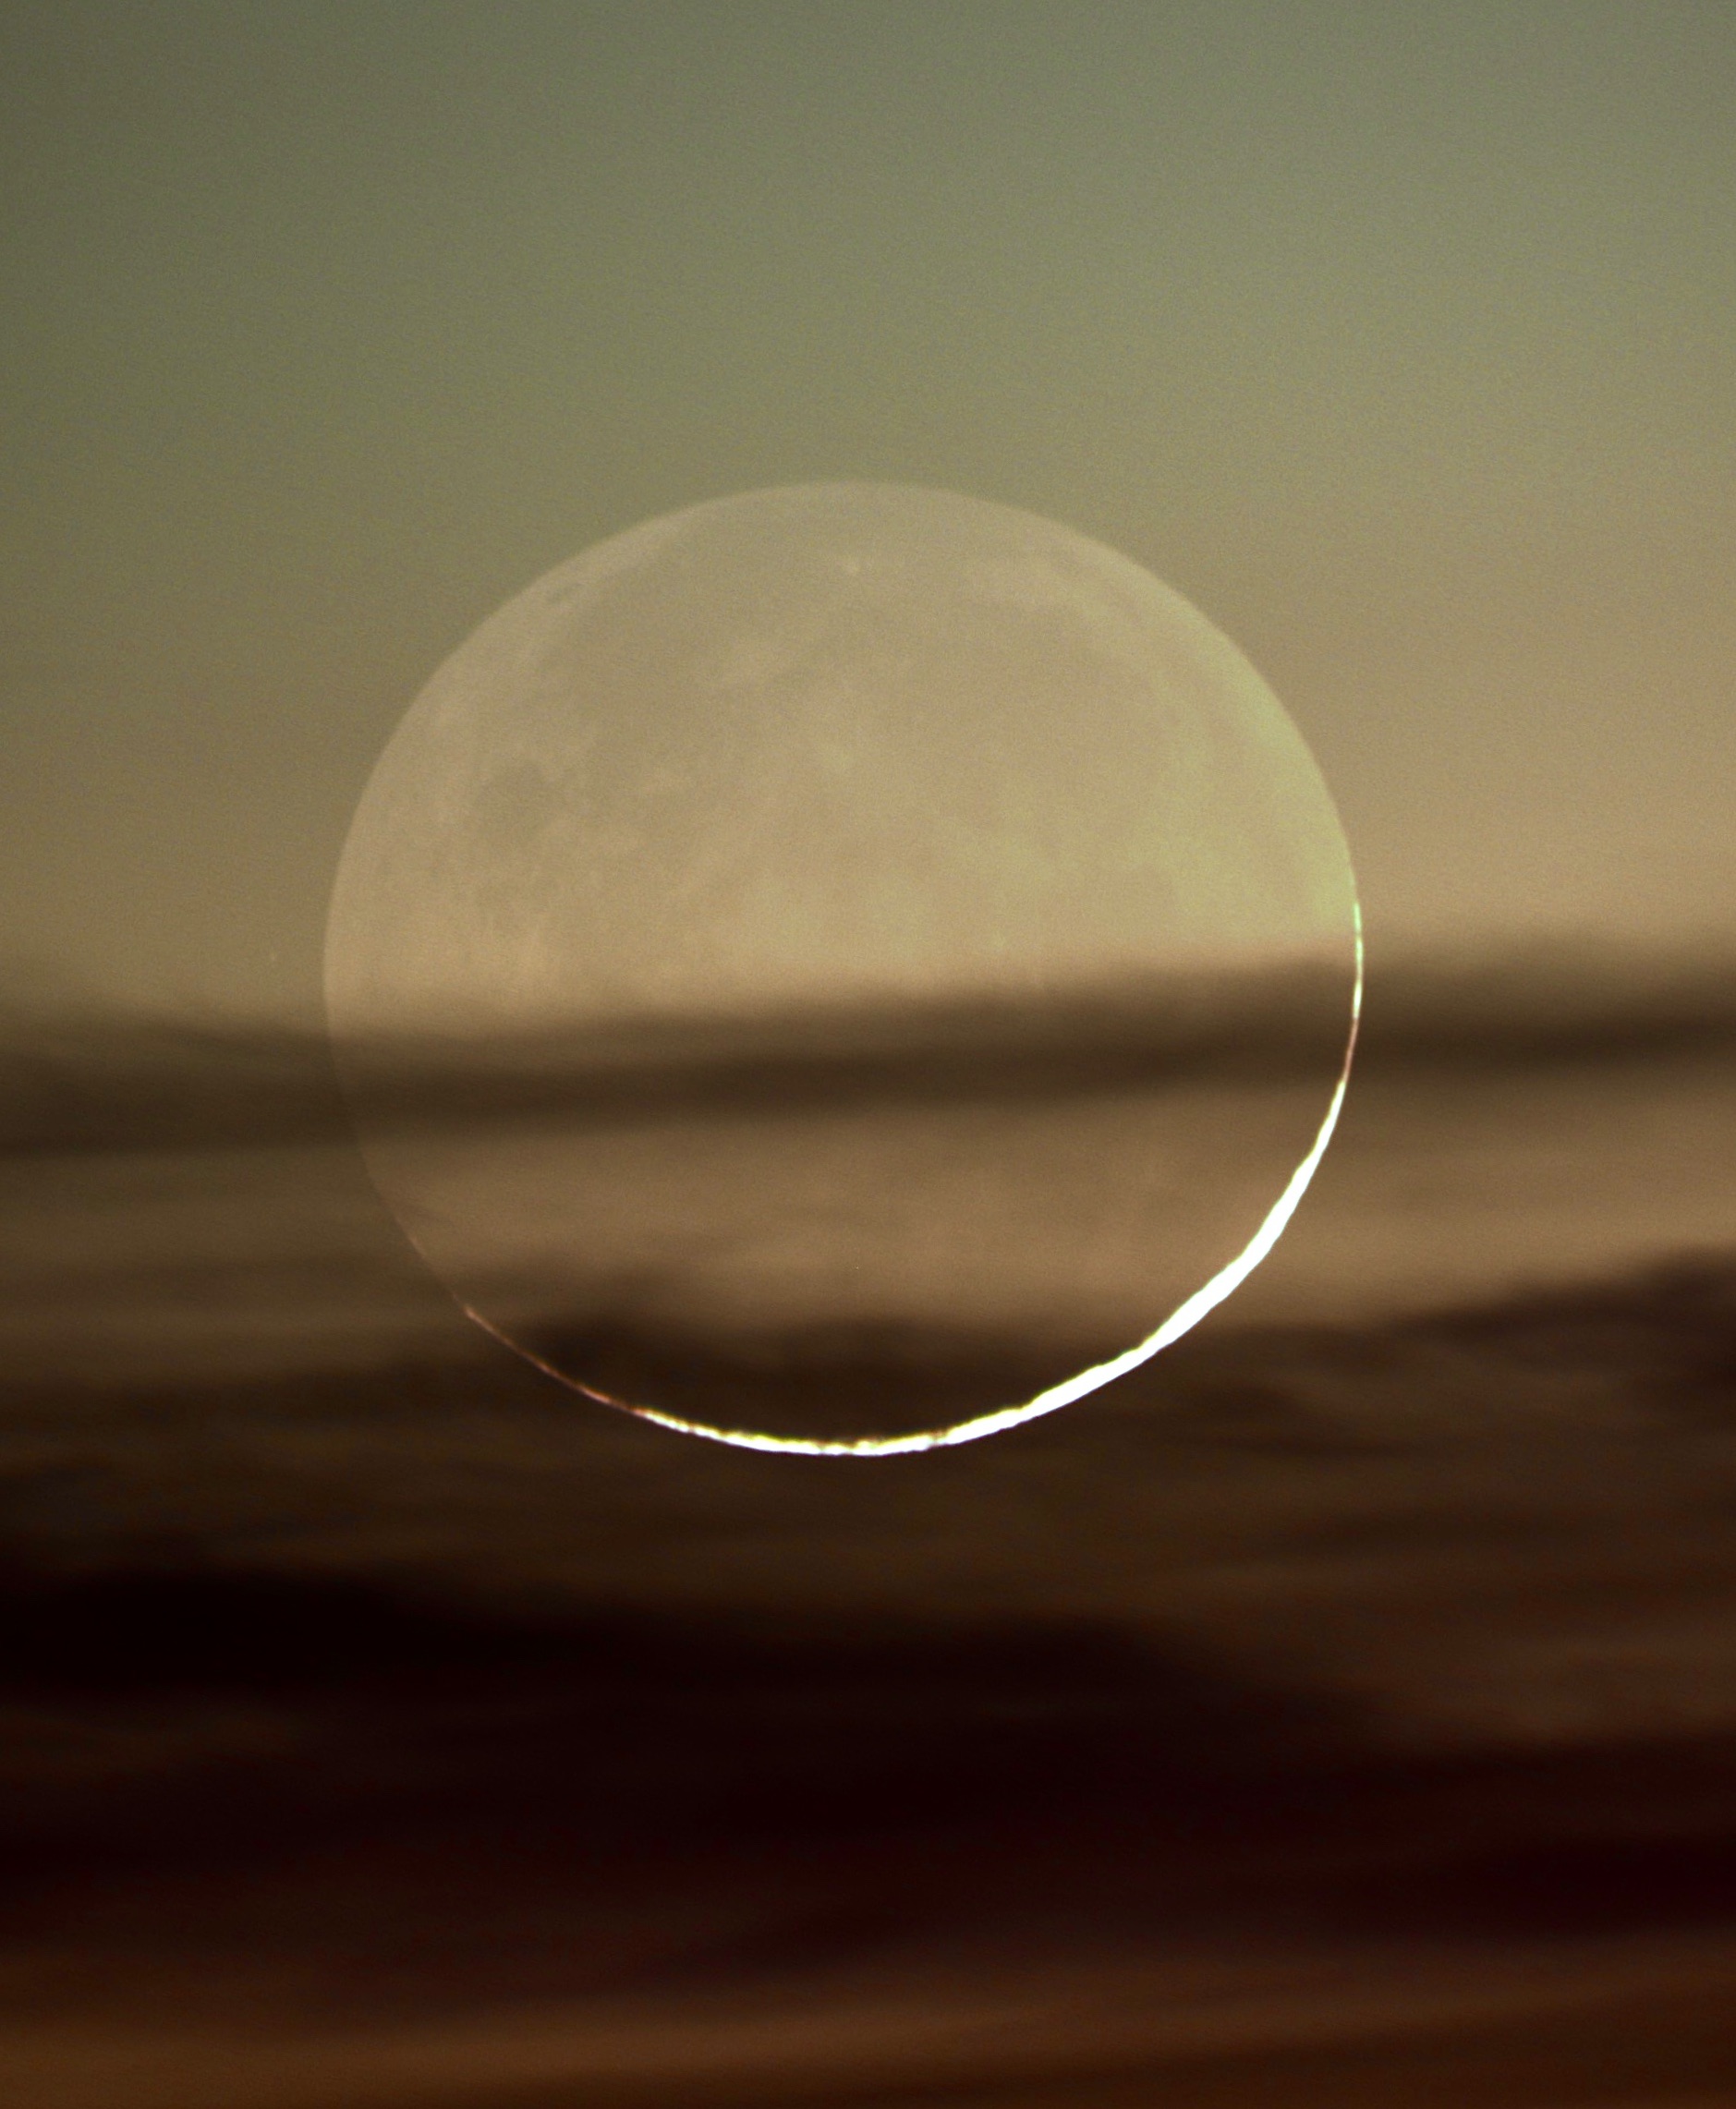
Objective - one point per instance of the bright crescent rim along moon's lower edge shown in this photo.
(1182, 1319)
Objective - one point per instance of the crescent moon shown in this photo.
(843, 752)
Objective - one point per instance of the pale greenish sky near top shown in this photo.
(1401, 338)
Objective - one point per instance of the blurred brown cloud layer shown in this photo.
(1341, 1709)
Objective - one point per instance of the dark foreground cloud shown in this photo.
(91, 1078)
(392, 1722)
(1343, 1709)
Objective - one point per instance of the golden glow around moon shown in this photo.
(796, 847)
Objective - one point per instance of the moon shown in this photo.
(853, 867)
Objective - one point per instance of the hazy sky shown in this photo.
(1401, 338)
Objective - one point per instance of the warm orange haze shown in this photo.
(1335, 1711)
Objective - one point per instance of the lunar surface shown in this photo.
(827, 887)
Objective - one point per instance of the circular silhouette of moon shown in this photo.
(844, 969)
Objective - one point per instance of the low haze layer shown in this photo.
(1350, 1692)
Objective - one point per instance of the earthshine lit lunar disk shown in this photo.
(748, 939)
